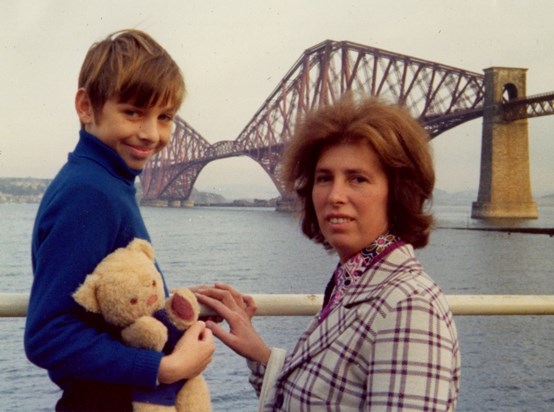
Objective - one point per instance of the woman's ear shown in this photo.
(83, 106)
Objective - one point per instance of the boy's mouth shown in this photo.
(141, 152)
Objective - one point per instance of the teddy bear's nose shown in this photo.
(151, 300)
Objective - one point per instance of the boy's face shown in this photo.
(134, 133)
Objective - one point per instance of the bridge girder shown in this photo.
(171, 173)
(527, 107)
(441, 97)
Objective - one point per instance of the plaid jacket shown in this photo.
(391, 345)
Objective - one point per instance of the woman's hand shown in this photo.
(237, 310)
(192, 353)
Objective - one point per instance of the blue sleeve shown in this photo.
(162, 395)
(74, 231)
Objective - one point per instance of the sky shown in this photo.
(234, 53)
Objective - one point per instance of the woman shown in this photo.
(385, 338)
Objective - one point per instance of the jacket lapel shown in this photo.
(318, 337)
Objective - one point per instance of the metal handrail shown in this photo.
(15, 305)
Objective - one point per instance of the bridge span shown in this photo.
(440, 96)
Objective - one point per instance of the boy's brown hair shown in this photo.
(130, 66)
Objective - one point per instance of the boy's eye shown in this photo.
(166, 117)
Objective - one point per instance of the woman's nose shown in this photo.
(336, 192)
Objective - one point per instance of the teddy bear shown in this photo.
(127, 290)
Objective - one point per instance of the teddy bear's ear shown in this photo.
(85, 295)
(143, 246)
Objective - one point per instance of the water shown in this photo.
(507, 362)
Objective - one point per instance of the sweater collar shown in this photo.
(93, 148)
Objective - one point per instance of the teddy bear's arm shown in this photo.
(146, 333)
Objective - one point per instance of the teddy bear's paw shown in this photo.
(182, 308)
(148, 407)
(146, 333)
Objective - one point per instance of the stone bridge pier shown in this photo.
(505, 181)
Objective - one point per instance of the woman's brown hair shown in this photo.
(401, 144)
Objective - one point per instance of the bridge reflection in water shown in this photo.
(440, 96)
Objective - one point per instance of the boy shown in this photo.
(129, 91)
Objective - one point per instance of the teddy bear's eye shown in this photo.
(133, 301)
(154, 283)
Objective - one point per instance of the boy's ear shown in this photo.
(83, 107)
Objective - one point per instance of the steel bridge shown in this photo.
(440, 96)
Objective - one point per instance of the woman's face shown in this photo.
(350, 196)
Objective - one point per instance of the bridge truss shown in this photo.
(442, 97)
(531, 106)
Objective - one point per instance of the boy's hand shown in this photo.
(192, 353)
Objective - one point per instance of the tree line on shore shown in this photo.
(31, 190)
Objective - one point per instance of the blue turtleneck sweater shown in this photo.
(87, 212)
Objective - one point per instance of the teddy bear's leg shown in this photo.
(194, 396)
(149, 407)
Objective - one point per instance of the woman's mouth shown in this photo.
(338, 220)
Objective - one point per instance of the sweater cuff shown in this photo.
(146, 368)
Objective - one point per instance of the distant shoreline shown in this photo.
(31, 190)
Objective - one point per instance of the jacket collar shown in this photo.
(319, 336)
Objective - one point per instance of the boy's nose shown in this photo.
(148, 130)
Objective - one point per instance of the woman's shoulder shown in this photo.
(403, 279)
(396, 261)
